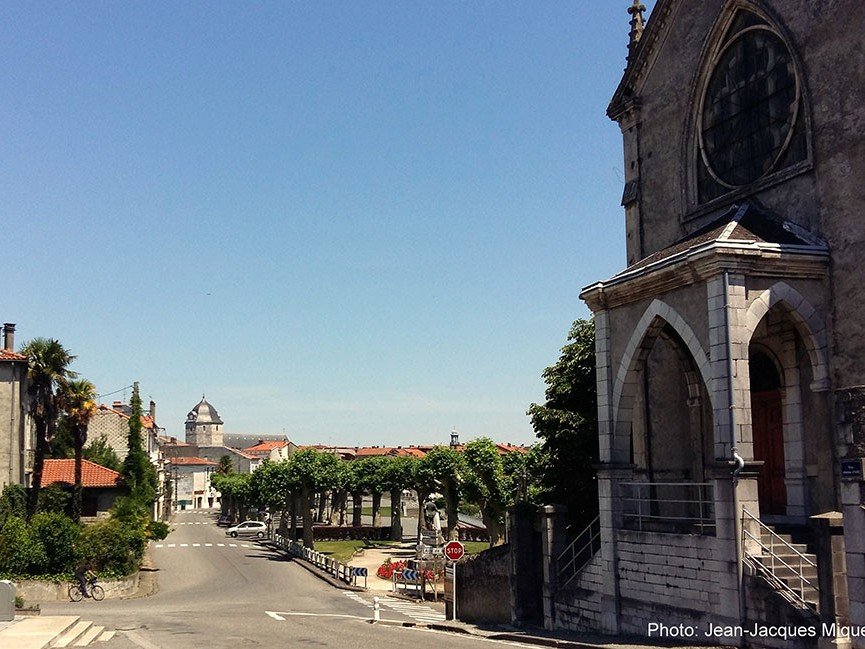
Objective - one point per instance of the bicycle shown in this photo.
(95, 591)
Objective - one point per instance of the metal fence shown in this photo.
(343, 572)
(578, 553)
(677, 507)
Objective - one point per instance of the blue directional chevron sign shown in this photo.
(410, 575)
(358, 572)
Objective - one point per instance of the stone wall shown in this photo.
(668, 578)
(765, 605)
(47, 591)
(578, 605)
(483, 587)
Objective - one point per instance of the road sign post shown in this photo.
(454, 551)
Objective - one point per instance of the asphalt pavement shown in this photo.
(217, 592)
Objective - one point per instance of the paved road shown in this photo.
(216, 596)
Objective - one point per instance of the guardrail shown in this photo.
(343, 572)
(678, 507)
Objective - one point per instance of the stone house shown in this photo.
(100, 485)
(730, 354)
(16, 433)
(191, 481)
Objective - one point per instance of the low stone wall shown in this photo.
(49, 591)
(578, 605)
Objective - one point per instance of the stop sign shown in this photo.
(454, 550)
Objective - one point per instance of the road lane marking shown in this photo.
(184, 545)
(208, 545)
(158, 545)
(232, 545)
(171, 545)
(222, 545)
(196, 545)
(275, 616)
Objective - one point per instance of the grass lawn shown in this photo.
(344, 550)
(385, 512)
(474, 547)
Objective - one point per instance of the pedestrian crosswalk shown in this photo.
(205, 545)
(414, 610)
(194, 523)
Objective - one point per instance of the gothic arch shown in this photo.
(805, 318)
(648, 328)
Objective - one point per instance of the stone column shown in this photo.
(832, 572)
(610, 477)
(553, 543)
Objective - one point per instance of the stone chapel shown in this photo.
(731, 348)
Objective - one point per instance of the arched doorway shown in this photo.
(767, 425)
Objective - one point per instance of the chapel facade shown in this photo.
(730, 350)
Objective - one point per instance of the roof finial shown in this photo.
(637, 24)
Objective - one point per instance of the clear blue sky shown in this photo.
(358, 222)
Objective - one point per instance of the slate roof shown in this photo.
(204, 413)
(92, 474)
(745, 223)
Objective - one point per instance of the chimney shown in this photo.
(118, 406)
(9, 336)
(153, 410)
(455, 438)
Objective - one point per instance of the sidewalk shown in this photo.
(34, 632)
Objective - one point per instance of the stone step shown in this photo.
(71, 635)
(808, 572)
(36, 632)
(90, 636)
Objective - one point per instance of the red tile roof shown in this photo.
(266, 446)
(6, 355)
(92, 474)
(191, 461)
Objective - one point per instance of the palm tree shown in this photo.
(47, 371)
(78, 399)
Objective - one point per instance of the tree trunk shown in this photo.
(78, 493)
(421, 520)
(356, 509)
(396, 515)
(307, 501)
(293, 532)
(38, 464)
(283, 518)
(452, 511)
(495, 526)
(322, 506)
(343, 499)
(337, 497)
(376, 509)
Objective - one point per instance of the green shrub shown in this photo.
(157, 530)
(57, 535)
(112, 548)
(19, 553)
(13, 502)
(54, 499)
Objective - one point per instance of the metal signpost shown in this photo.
(453, 551)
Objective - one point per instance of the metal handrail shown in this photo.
(775, 558)
(571, 569)
(704, 520)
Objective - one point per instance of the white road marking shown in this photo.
(222, 545)
(158, 545)
(275, 616)
(208, 545)
(184, 545)
(298, 614)
(232, 545)
(196, 545)
(171, 545)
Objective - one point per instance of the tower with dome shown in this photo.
(203, 425)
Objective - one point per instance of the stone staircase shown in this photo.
(790, 565)
(42, 631)
(82, 634)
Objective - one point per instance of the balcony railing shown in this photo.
(672, 507)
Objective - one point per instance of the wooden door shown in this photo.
(767, 427)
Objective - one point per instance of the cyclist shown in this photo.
(85, 577)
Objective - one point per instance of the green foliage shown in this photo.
(225, 466)
(18, 551)
(54, 499)
(13, 502)
(157, 530)
(567, 425)
(448, 468)
(57, 534)
(62, 444)
(100, 452)
(111, 548)
(137, 470)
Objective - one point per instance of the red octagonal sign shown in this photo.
(454, 550)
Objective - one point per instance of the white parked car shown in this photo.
(248, 528)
